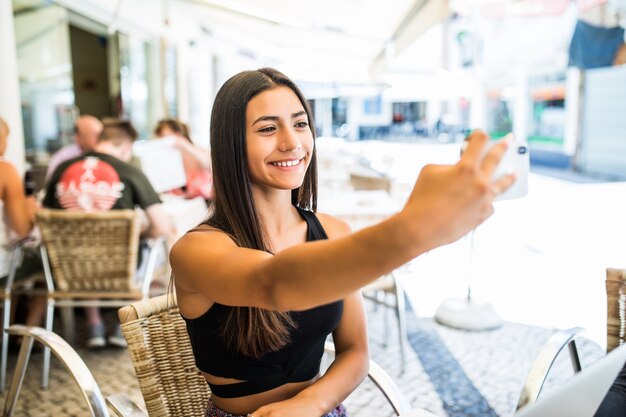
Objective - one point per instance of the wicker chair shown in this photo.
(616, 307)
(168, 378)
(90, 259)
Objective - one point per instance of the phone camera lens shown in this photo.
(521, 150)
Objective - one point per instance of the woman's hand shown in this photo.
(450, 200)
(299, 405)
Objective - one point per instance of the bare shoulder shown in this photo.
(333, 226)
(203, 241)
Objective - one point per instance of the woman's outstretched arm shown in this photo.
(446, 203)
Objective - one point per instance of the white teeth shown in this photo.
(286, 163)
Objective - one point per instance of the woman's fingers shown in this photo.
(502, 184)
(493, 157)
(476, 142)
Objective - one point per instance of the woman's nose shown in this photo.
(289, 140)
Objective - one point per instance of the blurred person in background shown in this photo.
(196, 160)
(100, 180)
(18, 215)
(265, 279)
(86, 131)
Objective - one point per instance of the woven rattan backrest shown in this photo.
(616, 307)
(161, 353)
(91, 251)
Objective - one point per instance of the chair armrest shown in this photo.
(22, 241)
(122, 406)
(544, 362)
(68, 357)
(387, 386)
(390, 390)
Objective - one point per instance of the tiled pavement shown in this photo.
(495, 361)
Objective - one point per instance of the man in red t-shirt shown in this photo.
(103, 179)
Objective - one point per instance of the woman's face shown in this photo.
(279, 140)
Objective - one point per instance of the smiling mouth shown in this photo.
(289, 163)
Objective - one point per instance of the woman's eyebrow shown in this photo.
(263, 118)
(275, 118)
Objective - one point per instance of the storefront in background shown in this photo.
(69, 66)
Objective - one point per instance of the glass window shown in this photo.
(134, 83)
(45, 73)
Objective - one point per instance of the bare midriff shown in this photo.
(249, 403)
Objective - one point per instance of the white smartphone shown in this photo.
(515, 160)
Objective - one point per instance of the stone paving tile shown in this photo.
(498, 361)
(495, 361)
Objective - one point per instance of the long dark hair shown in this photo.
(250, 331)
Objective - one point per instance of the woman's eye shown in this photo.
(302, 124)
(267, 129)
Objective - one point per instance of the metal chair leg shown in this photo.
(573, 354)
(6, 315)
(69, 325)
(46, 351)
(385, 319)
(49, 314)
(401, 316)
(18, 376)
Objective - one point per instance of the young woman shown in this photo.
(265, 279)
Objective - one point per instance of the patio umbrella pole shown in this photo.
(468, 313)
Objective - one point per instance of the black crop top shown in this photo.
(298, 361)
